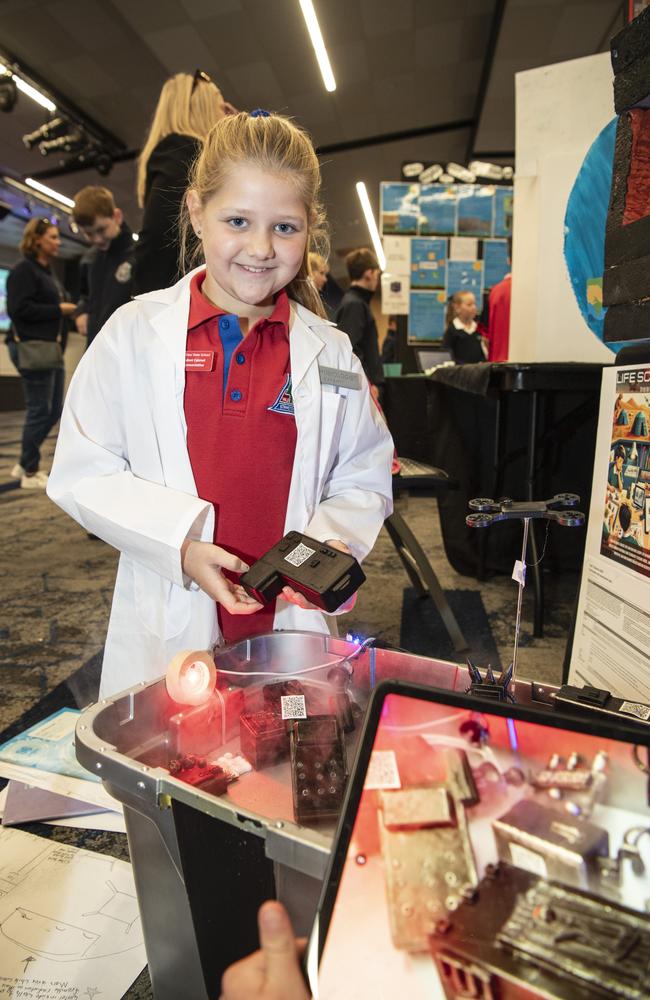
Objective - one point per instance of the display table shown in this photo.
(203, 863)
(518, 430)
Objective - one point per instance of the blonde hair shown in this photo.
(453, 304)
(33, 231)
(185, 107)
(317, 262)
(275, 144)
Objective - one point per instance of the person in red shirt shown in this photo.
(210, 418)
(499, 316)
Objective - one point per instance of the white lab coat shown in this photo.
(122, 470)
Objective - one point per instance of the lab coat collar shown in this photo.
(171, 321)
(304, 343)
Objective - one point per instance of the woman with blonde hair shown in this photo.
(187, 109)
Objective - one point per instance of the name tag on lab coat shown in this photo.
(199, 361)
(338, 377)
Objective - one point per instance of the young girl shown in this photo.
(209, 418)
(465, 338)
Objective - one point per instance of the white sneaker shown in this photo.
(17, 472)
(36, 482)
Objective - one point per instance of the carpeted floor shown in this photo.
(55, 593)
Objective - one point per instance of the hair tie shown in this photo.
(260, 113)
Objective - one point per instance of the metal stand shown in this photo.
(560, 508)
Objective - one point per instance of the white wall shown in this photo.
(560, 110)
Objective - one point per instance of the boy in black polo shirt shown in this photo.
(106, 282)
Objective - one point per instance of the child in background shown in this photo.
(109, 267)
(214, 416)
(464, 337)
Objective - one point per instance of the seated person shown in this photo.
(464, 337)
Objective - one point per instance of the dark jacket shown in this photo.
(34, 295)
(156, 252)
(108, 281)
(465, 347)
(355, 318)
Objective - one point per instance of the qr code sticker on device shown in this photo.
(632, 708)
(293, 706)
(299, 555)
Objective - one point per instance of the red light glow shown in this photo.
(191, 678)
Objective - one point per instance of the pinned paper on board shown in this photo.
(428, 263)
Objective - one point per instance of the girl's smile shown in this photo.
(254, 233)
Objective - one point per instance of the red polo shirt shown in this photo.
(499, 320)
(241, 432)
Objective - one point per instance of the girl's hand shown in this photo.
(294, 597)
(203, 562)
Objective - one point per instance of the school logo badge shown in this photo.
(284, 401)
(123, 273)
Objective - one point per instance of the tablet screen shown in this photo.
(485, 850)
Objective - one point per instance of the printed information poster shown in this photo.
(426, 316)
(438, 210)
(465, 276)
(611, 647)
(428, 263)
(399, 208)
(475, 210)
(496, 263)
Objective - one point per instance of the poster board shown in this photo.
(440, 239)
(611, 646)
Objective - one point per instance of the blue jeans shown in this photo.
(43, 403)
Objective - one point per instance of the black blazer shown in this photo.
(354, 317)
(33, 299)
(465, 347)
(156, 252)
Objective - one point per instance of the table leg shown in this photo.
(538, 582)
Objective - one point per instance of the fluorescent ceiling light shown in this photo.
(44, 189)
(372, 225)
(35, 94)
(27, 88)
(313, 27)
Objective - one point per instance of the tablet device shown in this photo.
(638, 495)
(487, 850)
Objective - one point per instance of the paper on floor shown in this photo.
(69, 921)
(105, 819)
(60, 784)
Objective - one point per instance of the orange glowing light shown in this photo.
(191, 678)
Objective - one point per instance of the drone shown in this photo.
(560, 508)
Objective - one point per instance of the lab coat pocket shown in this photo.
(162, 606)
(332, 413)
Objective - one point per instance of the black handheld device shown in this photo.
(326, 576)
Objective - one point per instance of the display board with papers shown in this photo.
(612, 632)
(443, 239)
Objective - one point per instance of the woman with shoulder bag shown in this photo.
(36, 307)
